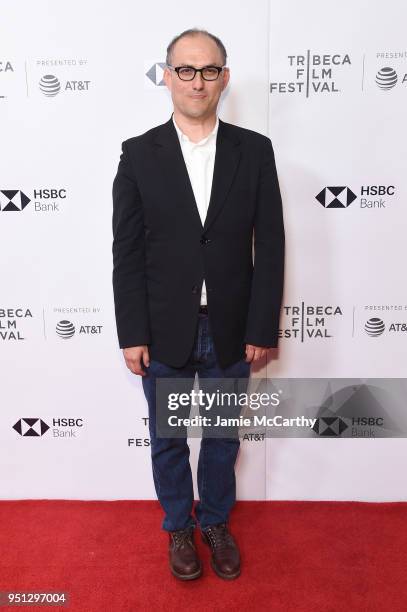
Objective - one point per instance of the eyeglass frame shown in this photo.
(178, 68)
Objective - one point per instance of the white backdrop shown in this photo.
(304, 75)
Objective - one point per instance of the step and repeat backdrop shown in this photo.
(329, 87)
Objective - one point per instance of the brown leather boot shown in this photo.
(225, 553)
(184, 561)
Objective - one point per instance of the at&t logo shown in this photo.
(51, 86)
(374, 327)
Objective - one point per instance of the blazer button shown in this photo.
(195, 289)
(205, 240)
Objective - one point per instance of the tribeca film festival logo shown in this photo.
(140, 442)
(371, 196)
(12, 321)
(6, 68)
(35, 427)
(306, 322)
(376, 326)
(312, 73)
(44, 199)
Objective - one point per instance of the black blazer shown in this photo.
(162, 253)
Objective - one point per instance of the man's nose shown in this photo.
(198, 82)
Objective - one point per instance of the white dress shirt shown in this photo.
(200, 161)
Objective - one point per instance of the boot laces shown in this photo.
(219, 536)
(182, 537)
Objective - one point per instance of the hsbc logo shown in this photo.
(330, 427)
(31, 427)
(34, 427)
(13, 199)
(336, 197)
(44, 200)
(156, 73)
(370, 196)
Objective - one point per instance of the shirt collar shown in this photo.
(184, 138)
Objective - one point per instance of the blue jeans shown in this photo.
(170, 456)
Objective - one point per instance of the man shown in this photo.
(188, 196)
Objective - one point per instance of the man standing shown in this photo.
(187, 198)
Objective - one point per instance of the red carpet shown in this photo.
(297, 556)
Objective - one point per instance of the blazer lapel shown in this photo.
(226, 163)
(173, 168)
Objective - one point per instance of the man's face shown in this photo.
(196, 99)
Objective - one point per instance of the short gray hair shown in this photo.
(196, 32)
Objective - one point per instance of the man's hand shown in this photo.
(135, 356)
(254, 353)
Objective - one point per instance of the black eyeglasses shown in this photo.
(187, 73)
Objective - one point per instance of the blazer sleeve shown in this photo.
(129, 280)
(268, 268)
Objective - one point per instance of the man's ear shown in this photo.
(167, 78)
(226, 77)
